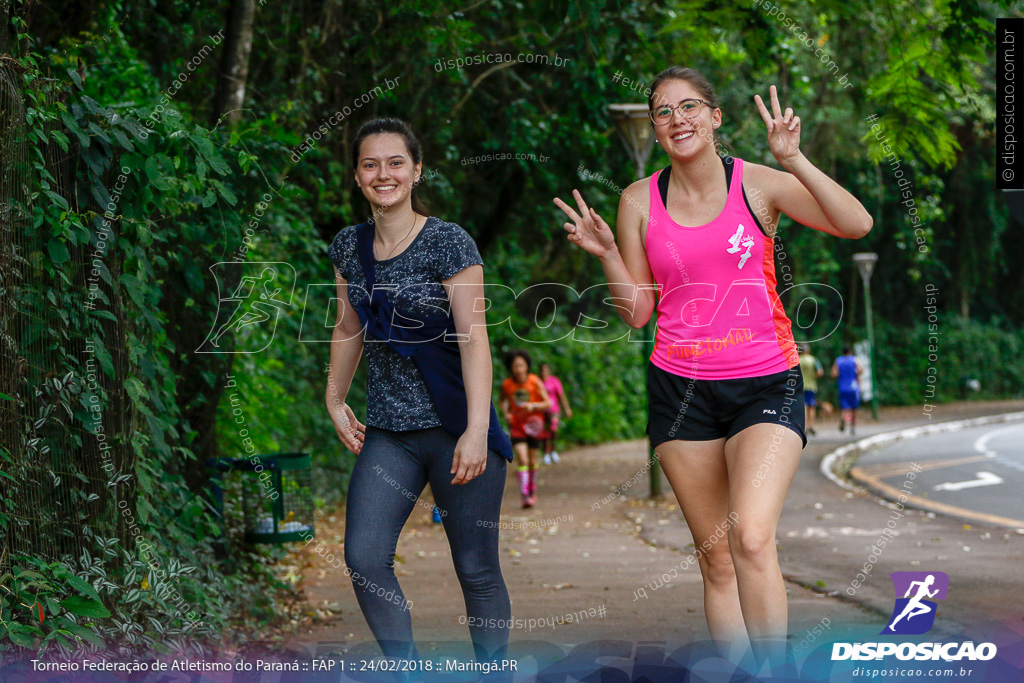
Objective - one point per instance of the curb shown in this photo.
(838, 464)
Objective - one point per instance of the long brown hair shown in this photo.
(398, 127)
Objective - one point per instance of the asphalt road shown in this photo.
(976, 473)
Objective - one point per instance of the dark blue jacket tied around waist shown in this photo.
(438, 360)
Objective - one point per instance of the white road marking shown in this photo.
(822, 532)
(981, 445)
(984, 479)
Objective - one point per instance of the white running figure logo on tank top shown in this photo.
(736, 240)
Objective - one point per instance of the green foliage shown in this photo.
(147, 205)
(44, 606)
(952, 350)
(185, 189)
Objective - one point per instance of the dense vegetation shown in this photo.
(107, 120)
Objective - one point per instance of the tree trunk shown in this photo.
(5, 24)
(234, 72)
(200, 396)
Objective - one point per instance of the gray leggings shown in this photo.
(389, 475)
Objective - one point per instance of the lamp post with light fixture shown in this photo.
(866, 265)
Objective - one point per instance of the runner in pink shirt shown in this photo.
(695, 241)
(558, 401)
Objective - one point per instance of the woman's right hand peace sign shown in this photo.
(587, 230)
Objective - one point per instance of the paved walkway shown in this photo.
(601, 554)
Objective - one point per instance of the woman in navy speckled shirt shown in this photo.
(404, 444)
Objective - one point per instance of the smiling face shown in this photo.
(685, 138)
(386, 172)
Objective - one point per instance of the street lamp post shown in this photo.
(866, 265)
(634, 127)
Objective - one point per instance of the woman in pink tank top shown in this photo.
(695, 241)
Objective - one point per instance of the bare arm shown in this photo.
(625, 264)
(346, 350)
(471, 326)
(805, 194)
(545, 399)
(565, 403)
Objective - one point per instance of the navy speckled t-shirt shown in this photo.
(396, 395)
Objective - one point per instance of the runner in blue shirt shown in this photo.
(847, 369)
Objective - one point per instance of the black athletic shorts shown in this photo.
(530, 441)
(705, 409)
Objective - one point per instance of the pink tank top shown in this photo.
(719, 316)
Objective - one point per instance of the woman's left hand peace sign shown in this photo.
(783, 130)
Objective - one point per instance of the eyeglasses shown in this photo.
(663, 113)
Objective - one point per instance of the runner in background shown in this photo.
(524, 400)
(556, 392)
(811, 370)
(847, 370)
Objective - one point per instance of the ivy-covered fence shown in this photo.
(107, 537)
(55, 437)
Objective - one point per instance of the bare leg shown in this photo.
(522, 454)
(698, 475)
(534, 464)
(523, 469)
(762, 460)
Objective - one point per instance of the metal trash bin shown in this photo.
(277, 496)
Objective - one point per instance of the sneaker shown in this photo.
(811, 431)
(555, 458)
(853, 431)
(547, 458)
(529, 501)
(437, 515)
(842, 425)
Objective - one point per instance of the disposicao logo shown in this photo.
(914, 614)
